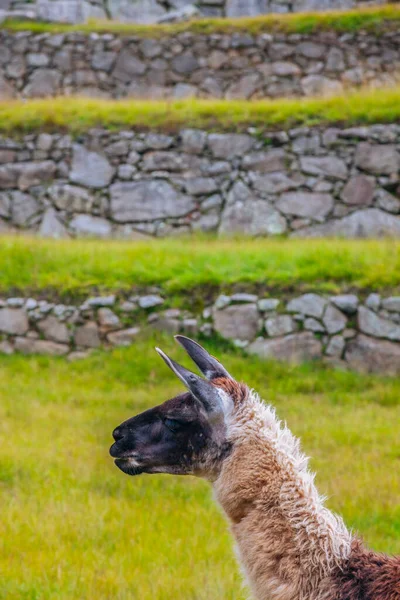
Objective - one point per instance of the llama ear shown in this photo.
(201, 389)
(208, 365)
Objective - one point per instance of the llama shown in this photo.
(290, 545)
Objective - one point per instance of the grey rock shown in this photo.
(103, 61)
(245, 8)
(32, 346)
(371, 324)
(335, 346)
(137, 11)
(13, 321)
(370, 222)
(6, 347)
(319, 85)
(382, 159)
(4, 205)
(222, 301)
(244, 88)
(128, 66)
(274, 183)
(297, 347)
(23, 208)
(268, 304)
(373, 302)
(265, 162)
(107, 319)
(392, 303)
(190, 326)
(43, 83)
(168, 324)
(305, 204)
(335, 60)
(15, 302)
(77, 355)
(279, 325)
(285, 69)
(366, 354)
(150, 301)
(201, 185)
(35, 173)
(229, 145)
(86, 225)
(100, 301)
(90, 169)
(87, 336)
(359, 190)
(185, 63)
(239, 321)
(158, 141)
(193, 140)
(147, 200)
(312, 324)
(51, 226)
(124, 337)
(388, 202)
(71, 198)
(329, 166)
(7, 91)
(334, 320)
(311, 305)
(347, 303)
(54, 330)
(243, 297)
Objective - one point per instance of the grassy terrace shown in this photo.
(80, 114)
(73, 527)
(78, 267)
(378, 19)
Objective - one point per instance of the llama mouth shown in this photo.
(129, 465)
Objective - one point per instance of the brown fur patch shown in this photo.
(237, 391)
(369, 575)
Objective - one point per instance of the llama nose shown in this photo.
(117, 434)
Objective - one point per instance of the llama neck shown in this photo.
(290, 545)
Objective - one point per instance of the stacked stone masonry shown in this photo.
(216, 65)
(302, 182)
(163, 11)
(342, 330)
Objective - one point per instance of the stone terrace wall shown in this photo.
(164, 11)
(364, 336)
(219, 66)
(302, 182)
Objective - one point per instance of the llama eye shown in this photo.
(172, 424)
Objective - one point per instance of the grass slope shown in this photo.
(376, 18)
(79, 266)
(74, 528)
(80, 114)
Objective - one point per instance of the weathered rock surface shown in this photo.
(296, 347)
(237, 322)
(367, 354)
(54, 330)
(90, 169)
(371, 324)
(308, 304)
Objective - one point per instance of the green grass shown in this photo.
(80, 114)
(73, 527)
(377, 19)
(75, 267)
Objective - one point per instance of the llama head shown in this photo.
(186, 435)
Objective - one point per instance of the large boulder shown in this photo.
(370, 222)
(382, 159)
(13, 321)
(296, 347)
(237, 322)
(244, 213)
(366, 354)
(311, 305)
(305, 204)
(148, 200)
(54, 330)
(90, 169)
(372, 324)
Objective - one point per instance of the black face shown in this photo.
(174, 437)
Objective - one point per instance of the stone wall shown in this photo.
(215, 65)
(301, 182)
(163, 11)
(342, 330)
